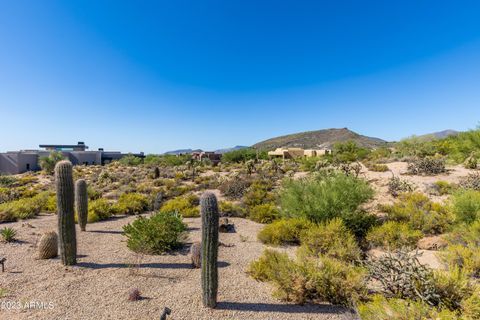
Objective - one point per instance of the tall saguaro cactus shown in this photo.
(210, 216)
(66, 220)
(81, 202)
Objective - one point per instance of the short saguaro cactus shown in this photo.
(81, 202)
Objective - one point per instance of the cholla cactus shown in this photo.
(66, 219)
(210, 217)
(195, 254)
(81, 202)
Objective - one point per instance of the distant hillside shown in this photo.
(182, 151)
(439, 134)
(230, 149)
(319, 139)
(188, 151)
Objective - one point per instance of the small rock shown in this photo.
(432, 243)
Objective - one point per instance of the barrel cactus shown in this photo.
(209, 254)
(195, 253)
(48, 246)
(66, 219)
(81, 202)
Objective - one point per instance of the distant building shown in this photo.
(15, 162)
(290, 153)
(210, 155)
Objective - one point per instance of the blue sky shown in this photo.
(159, 75)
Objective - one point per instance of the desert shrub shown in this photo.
(442, 188)
(420, 213)
(331, 239)
(452, 287)
(284, 231)
(471, 306)
(93, 193)
(51, 203)
(234, 188)
(264, 213)
(393, 235)
(465, 234)
(187, 206)
(348, 151)
(47, 163)
(132, 203)
(259, 192)
(99, 210)
(308, 280)
(243, 155)
(471, 162)
(155, 235)
(23, 208)
(229, 209)
(472, 181)
(8, 234)
(378, 167)
(401, 275)
(427, 166)
(327, 196)
(397, 186)
(7, 181)
(168, 160)
(130, 160)
(466, 258)
(381, 308)
(466, 206)
(9, 194)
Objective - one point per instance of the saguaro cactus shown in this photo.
(66, 220)
(210, 216)
(81, 202)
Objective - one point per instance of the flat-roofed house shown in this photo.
(290, 153)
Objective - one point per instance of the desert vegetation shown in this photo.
(388, 233)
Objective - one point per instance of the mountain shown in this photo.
(230, 149)
(439, 134)
(188, 151)
(182, 151)
(319, 139)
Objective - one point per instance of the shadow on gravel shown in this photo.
(106, 231)
(93, 265)
(284, 308)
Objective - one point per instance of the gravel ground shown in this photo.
(97, 288)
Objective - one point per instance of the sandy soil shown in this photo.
(97, 288)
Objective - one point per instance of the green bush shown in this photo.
(229, 209)
(466, 206)
(348, 151)
(24, 208)
(465, 235)
(309, 280)
(466, 258)
(378, 167)
(327, 196)
(420, 213)
(284, 231)
(187, 206)
(471, 306)
(393, 235)
(99, 210)
(331, 239)
(259, 193)
(452, 287)
(243, 155)
(158, 234)
(264, 213)
(381, 308)
(8, 234)
(132, 203)
(48, 163)
(130, 160)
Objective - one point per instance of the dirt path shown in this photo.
(98, 287)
